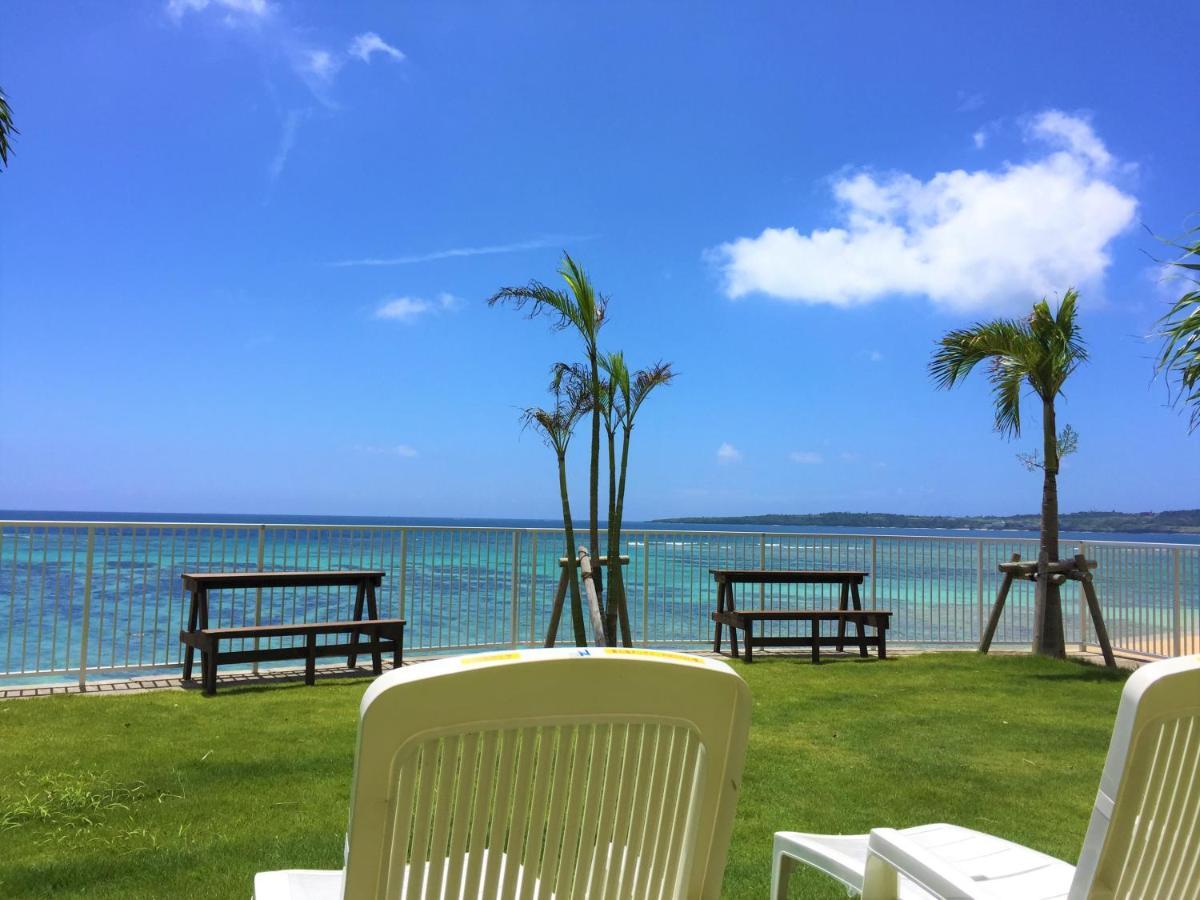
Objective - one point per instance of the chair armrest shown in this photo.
(918, 864)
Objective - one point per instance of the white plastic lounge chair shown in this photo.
(604, 773)
(1143, 840)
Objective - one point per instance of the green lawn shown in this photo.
(174, 794)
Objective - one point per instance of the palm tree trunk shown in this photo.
(594, 485)
(614, 547)
(616, 585)
(569, 531)
(1048, 638)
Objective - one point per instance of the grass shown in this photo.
(175, 794)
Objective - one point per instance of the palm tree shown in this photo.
(557, 425)
(6, 129)
(625, 397)
(581, 308)
(1179, 329)
(1040, 352)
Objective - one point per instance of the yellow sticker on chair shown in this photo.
(660, 654)
(488, 657)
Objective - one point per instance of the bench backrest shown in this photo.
(1144, 835)
(593, 772)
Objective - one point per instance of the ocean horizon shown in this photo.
(525, 522)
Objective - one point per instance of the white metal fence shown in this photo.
(85, 599)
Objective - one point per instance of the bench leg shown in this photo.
(208, 668)
(716, 637)
(398, 648)
(860, 629)
(816, 641)
(843, 601)
(376, 657)
(310, 659)
(881, 630)
(359, 596)
(749, 641)
(189, 652)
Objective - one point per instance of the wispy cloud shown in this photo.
(404, 451)
(287, 140)
(236, 10)
(727, 453)
(806, 457)
(368, 43)
(454, 252)
(312, 61)
(969, 101)
(409, 309)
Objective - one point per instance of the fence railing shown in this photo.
(89, 599)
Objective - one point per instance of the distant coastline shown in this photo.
(1177, 521)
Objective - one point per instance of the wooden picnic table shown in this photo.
(733, 618)
(383, 634)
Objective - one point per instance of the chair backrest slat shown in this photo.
(1144, 835)
(541, 774)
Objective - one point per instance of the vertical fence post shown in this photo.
(762, 564)
(403, 572)
(516, 585)
(1177, 627)
(1082, 607)
(646, 588)
(874, 569)
(533, 578)
(980, 603)
(87, 606)
(262, 540)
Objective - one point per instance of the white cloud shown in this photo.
(727, 453)
(369, 42)
(246, 10)
(980, 138)
(402, 450)
(969, 241)
(409, 309)
(454, 252)
(806, 457)
(1073, 134)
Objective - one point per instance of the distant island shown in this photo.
(1174, 521)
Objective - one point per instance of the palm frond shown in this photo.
(1007, 376)
(961, 350)
(645, 381)
(1041, 350)
(541, 299)
(1179, 331)
(7, 129)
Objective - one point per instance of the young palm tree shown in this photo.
(581, 308)
(557, 425)
(6, 129)
(1040, 352)
(1179, 329)
(626, 394)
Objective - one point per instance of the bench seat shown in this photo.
(744, 620)
(383, 635)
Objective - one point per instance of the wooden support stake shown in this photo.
(556, 610)
(1089, 592)
(998, 608)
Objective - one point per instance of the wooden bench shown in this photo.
(383, 635)
(848, 582)
(744, 619)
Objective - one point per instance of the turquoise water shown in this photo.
(473, 584)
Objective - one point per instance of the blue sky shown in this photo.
(245, 248)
